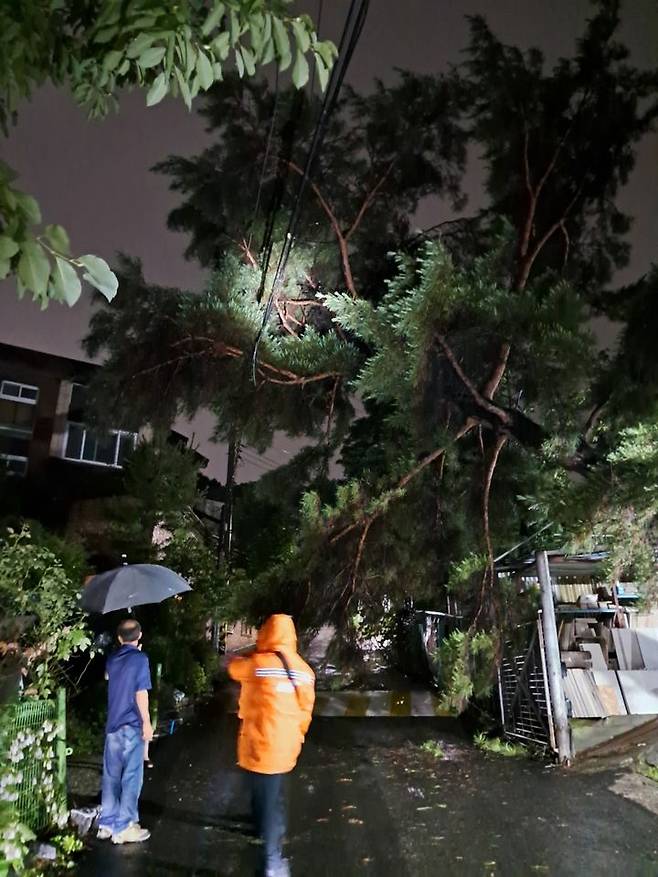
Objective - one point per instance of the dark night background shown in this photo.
(93, 177)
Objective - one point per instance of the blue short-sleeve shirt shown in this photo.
(128, 672)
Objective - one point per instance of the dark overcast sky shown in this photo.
(93, 177)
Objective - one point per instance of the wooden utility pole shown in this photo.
(553, 660)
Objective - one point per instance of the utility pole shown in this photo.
(226, 535)
(553, 660)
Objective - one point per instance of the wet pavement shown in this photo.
(366, 799)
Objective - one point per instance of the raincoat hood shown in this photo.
(276, 634)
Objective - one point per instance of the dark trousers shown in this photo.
(268, 810)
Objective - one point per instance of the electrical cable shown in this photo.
(354, 23)
(266, 157)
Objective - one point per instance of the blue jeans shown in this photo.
(268, 810)
(123, 774)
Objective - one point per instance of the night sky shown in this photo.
(93, 177)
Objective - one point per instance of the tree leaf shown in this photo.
(204, 71)
(257, 36)
(8, 247)
(112, 60)
(301, 35)
(267, 32)
(300, 71)
(184, 89)
(158, 90)
(141, 42)
(106, 35)
(58, 239)
(327, 52)
(249, 60)
(100, 276)
(191, 58)
(239, 63)
(152, 57)
(282, 44)
(29, 206)
(268, 52)
(5, 268)
(323, 72)
(213, 19)
(221, 45)
(66, 282)
(234, 26)
(34, 268)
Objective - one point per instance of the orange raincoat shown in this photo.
(275, 712)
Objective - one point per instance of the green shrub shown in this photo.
(496, 746)
(431, 747)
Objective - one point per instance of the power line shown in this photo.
(266, 157)
(354, 23)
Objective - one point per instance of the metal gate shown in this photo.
(525, 702)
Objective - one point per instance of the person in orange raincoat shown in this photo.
(276, 705)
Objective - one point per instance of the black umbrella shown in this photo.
(129, 586)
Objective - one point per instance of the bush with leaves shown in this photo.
(42, 629)
(41, 614)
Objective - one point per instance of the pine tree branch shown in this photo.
(333, 221)
(404, 481)
(367, 203)
(284, 377)
(490, 388)
(480, 400)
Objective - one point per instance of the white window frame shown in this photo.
(21, 387)
(14, 457)
(85, 429)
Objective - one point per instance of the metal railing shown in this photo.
(30, 715)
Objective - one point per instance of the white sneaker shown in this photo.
(104, 833)
(278, 869)
(133, 834)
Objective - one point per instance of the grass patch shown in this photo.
(431, 747)
(648, 771)
(496, 746)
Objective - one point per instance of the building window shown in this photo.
(102, 449)
(17, 408)
(13, 464)
(109, 448)
(19, 392)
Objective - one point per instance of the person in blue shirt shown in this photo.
(128, 727)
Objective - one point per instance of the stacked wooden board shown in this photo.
(622, 679)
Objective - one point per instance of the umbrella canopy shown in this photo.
(130, 586)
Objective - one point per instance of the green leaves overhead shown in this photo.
(166, 49)
(98, 274)
(182, 50)
(66, 283)
(34, 268)
(300, 71)
(42, 259)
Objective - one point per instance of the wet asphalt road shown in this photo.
(366, 799)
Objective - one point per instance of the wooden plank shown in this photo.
(629, 656)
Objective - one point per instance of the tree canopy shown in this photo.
(490, 410)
